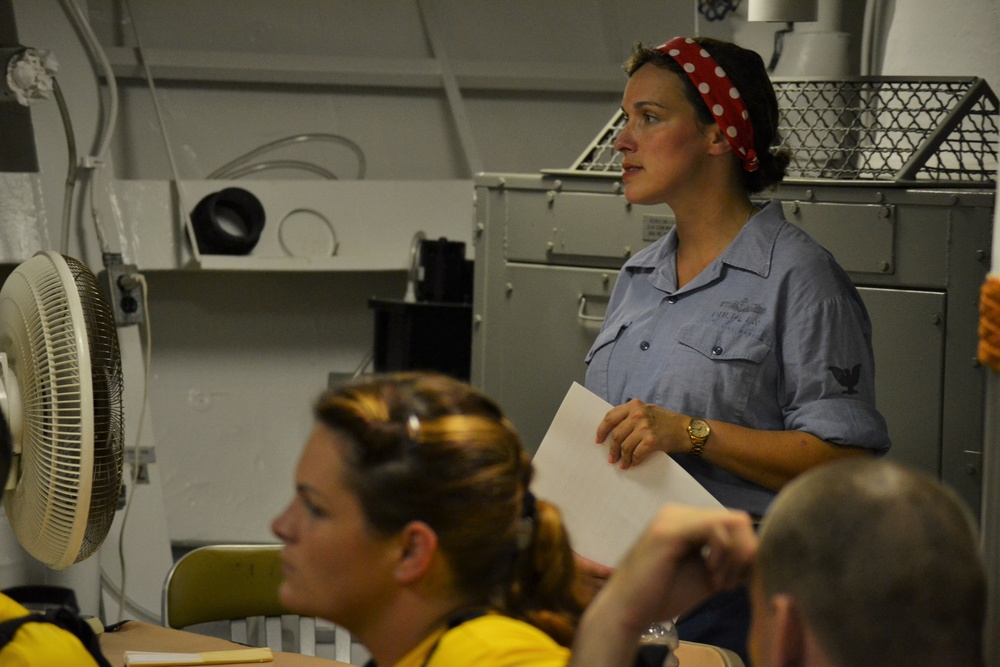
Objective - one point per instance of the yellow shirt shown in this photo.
(488, 641)
(40, 644)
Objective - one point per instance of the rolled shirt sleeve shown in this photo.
(829, 376)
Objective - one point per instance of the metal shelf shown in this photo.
(345, 225)
(408, 73)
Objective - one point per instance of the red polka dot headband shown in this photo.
(719, 93)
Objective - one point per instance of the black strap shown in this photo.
(9, 628)
(463, 616)
(64, 618)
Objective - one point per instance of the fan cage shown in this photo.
(109, 422)
(906, 131)
(72, 444)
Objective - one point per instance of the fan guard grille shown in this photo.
(109, 422)
(62, 346)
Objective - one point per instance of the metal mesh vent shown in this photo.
(895, 130)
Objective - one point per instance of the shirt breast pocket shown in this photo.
(722, 368)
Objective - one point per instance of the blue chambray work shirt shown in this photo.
(772, 335)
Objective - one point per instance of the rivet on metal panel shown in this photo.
(502, 183)
(879, 197)
(617, 188)
(885, 212)
(551, 197)
(809, 195)
(605, 279)
(509, 288)
(884, 266)
(935, 318)
(976, 363)
(628, 206)
(628, 251)
(954, 200)
(480, 228)
(549, 247)
(557, 185)
(477, 320)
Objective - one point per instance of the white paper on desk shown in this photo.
(228, 657)
(605, 508)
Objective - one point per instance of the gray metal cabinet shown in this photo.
(548, 250)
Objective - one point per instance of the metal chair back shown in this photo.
(237, 583)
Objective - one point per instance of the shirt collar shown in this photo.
(753, 247)
(751, 250)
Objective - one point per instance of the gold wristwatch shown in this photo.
(698, 431)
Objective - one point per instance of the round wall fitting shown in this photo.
(228, 222)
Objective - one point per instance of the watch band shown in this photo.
(698, 430)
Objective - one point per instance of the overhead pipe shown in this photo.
(818, 48)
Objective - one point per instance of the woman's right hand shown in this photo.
(590, 577)
(636, 429)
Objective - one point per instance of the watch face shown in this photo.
(699, 428)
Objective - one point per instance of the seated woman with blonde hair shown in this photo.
(412, 526)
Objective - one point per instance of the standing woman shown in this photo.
(735, 343)
(412, 526)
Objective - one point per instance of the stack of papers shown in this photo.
(604, 508)
(151, 659)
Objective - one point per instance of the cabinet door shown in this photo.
(541, 322)
(908, 337)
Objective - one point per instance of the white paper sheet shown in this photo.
(230, 657)
(605, 508)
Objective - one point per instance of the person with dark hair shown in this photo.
(412, 526)
(31, 640)
(735, 343)
(858, 563)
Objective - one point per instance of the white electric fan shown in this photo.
(62, 394)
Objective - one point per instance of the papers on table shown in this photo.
(155, 659)
(605, 508)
